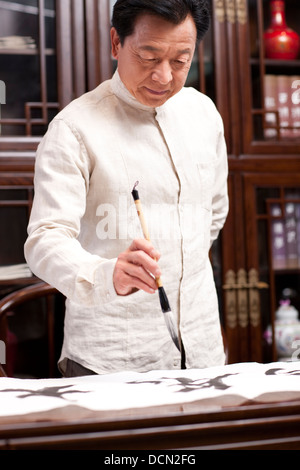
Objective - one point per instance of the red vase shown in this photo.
(280, 41)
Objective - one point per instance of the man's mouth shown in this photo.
(156, 92)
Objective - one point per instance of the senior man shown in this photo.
(84, 236)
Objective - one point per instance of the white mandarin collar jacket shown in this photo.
(83, 216)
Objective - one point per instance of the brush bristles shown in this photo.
(170, 324)
(165, 306)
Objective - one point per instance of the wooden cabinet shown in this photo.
(272, 214)
(72, 55)
(29, 94)
(264, 166)
(28, 71)
(50, 53)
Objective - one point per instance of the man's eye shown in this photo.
(148, 59)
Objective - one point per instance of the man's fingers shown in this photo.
(129, 277)
(128, 284)
(142, 259)
(140, 244)
(137, 268)
(139, 272)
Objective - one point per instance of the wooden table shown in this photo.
(247, 427)
(188, 425)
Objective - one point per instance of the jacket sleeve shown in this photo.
(52, 249)
(220, 203)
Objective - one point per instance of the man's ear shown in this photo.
(115, 43)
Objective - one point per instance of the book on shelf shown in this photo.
(282, 103)
(17, 42)
(15, 271)
(290, 232)
(285, 235)
(270, 102)
(295, 104)
(278, 235)
(297, 214)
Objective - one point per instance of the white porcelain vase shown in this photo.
(287, 331)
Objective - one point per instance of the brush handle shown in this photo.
(139, 210)
(164, 303)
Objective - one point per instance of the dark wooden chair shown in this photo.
(16, 302)
(2, 372)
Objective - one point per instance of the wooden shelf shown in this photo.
(19, 281)
(286, 266)
(25, 51)
(276, 62)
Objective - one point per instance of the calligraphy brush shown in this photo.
(164, 302)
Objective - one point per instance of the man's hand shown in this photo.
(137, 268)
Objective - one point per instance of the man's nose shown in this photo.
(162, 73)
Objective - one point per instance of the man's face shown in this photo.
(154, 61)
